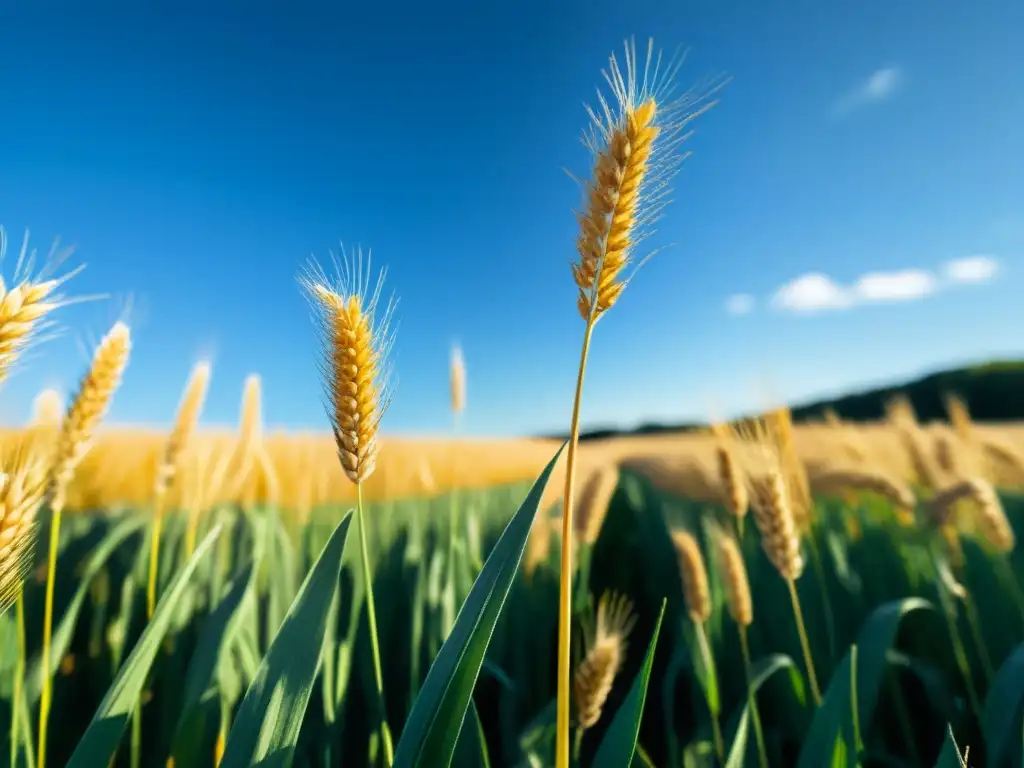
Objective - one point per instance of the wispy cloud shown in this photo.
(816, 292)
(902, 285)
(971, 269)
(813, 292)
(880, 85)
(740, 304)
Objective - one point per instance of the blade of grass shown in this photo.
(266, 728)
(1003, 707)
(853, 692)
(433, 726)
(740, 730)
(201, 698)
(99, 743)
(619, 743)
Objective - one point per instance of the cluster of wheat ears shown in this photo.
(636, 135)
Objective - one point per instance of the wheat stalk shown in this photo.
(605, 646)
(732, 484)
(25, 306)
(741, 608)
(770, 500)
(457, 380)
(697, 596)
(836, 480)
(595, 496)
(23, 486)
(181, 432)
(356, 342)
(634, 139)
(83, 416)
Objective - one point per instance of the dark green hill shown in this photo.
(994, 391)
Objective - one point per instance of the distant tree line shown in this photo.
(993, 392)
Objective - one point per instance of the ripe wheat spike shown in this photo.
(990, 519)
(184, 425)
(730, 475)
(770, 496)
(88, 407)
(457, 380)
(595, 496)
(694, 575)
(635, 139)
(25, 306)
(605, 645)
(356, 343)
(836, 481)
(48, 409)
(23, 485)
(734, 575)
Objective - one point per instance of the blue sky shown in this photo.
(197, 159)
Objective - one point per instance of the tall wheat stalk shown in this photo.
(22, 488)
(356, 343)
(83, 416)
(634, 139)
(697, 595)
(770, 500)
(605, 645)
(457, 382)
(169, 466)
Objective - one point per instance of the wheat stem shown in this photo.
(755, 716)
(712, 675)
(805, 646)
(948, 601)
(826, 602)
(973, 622)
(46, 693)
(565, 576)
(19, 675)
(385, 732)
(159, 503)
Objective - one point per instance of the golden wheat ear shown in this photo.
(23, 486)
(185, 423)
(356, 339)
(635, 138)
(457, 370)
(27, 300)
(605, 650)
(696, 591)
(88, 407)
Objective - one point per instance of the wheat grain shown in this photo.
(356, 342)
(696, 592)
(184, 426)
(457, 380)
(605, 651)
(735, 497)
(770, 496)
(48, 409)
(88, 407)
(635, 143)
(834, 481)
(734, 574)
(595, 495)
(23, 485)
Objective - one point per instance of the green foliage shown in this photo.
(262, 635)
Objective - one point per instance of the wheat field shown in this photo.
(757, 593)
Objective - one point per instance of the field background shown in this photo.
(424, 568)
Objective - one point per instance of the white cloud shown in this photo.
(971, 269)
(903, 285)
(813, 292)
(817, 292)
(739, 304)
(880, 85)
